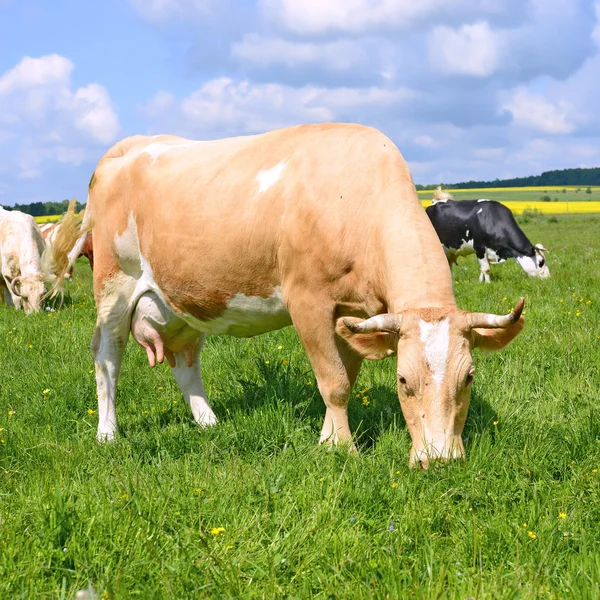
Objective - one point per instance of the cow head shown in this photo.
(435, 367)
(30, 291)
(535, 265)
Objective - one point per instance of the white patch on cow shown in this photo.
(480, 210)
(269, 177)
(246, 316)
(438, 201)
(493, 256)
(483, 200)
(528, 265)
(467, 234)
(157, 149)
(436, 339)
(465, 249)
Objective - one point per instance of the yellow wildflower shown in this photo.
(91, 411)
(279, 347)
(322, 479)
(90, 372)
(217, 530)
(524, 524)
(365, 401)
(229, 547)
(594, 470)
(123, 496)
(286, 362)
(562, 515)
(495, 422)
(531, 535)
(267, 362)
(11, 413)
(397, 472)
(1, 441)
(395, 484)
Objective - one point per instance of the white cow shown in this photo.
(21, 246)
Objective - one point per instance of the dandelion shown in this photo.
(322, 479)
(495, 423)
(267, 362)
(30, 346)
(365, 401)
(524, 524)
(91, 411)
(589, 302)
(198, 490)
(395, 484)
(217, 530)
(279, 347)
(229, 547)
(46, 392)
(160, 388)
(562, 301)
(594, 470)
(2, 441)
(531, 535)
(397, 472)
(504, 299)
(11, 413)
(562, 515)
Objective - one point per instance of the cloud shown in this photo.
(316, 17)
(48, 119)
(538, 114)
(224, 107)
(342, 55)
(471, 50)
(172, 10)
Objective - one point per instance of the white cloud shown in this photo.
(534, 112)
(224, 107)
(316, 17)
(161, 10)
(158, 105)
(266, 52)
(471, 50)
(52, 120)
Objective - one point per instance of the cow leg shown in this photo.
(108, 346)
(189, 379)
(484, 265)
(335, 366)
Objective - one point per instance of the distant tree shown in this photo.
(564, 191)
(43, 209)
(589, 190)
(545, 198)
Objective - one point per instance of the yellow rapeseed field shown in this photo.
(48, 219)
(548, 208)
(533, 188)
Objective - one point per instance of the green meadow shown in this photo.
(254, 508)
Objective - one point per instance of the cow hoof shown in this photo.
(105, 436)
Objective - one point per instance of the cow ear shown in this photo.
(376, 345)
(490, 340)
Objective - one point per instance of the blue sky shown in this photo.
(468, 89)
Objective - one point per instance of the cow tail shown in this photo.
(58, 258)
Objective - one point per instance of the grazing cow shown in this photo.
(21, 245)
(315, 226)
(485, 228)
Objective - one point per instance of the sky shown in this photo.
(467, 89)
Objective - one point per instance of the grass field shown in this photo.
(524, 194)
(253, 508)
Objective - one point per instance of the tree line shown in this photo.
(581, 177)
(43, 209)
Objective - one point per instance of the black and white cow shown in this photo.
(485, 228)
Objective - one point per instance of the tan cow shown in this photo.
(21, 246)
(318, 226)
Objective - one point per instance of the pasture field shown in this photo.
(524, 194)
(253, 508)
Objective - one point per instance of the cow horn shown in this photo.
(492, 321)
(540, 248)
(386, 322)
(11, 284)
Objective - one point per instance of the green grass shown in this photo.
(134, 518)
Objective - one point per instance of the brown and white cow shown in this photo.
(21, 246)
(316, 226)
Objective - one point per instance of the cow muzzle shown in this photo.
(438, 450)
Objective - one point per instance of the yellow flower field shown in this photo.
(548, 208)
(48, 219)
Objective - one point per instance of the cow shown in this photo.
(21, 246)
(315, 226)
(487, 229)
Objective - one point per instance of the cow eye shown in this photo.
(470, 377)
(402, 380)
